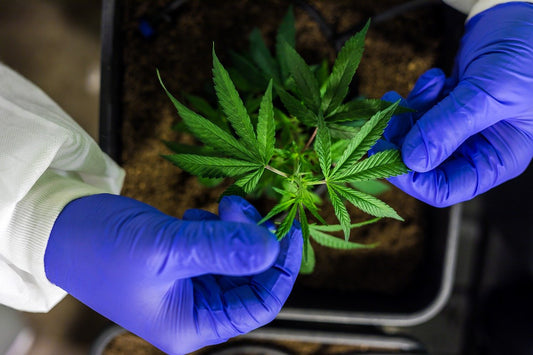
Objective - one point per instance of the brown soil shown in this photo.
(132, 345)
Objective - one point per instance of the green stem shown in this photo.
(276, 171)
(321, 182)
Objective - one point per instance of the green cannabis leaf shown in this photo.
(323, 147)
(343, 71)
(266, 126)
(318, 234)
(313, 138)
(233, 106)
(286, 34)
(304, 79)
(364, 139)
(212, 167)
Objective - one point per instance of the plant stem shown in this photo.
(276, 171)
(321, 182)
(311, 139)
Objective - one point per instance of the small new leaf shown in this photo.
(305, 228)
(308, 258)
(287, 222)
(280, 207)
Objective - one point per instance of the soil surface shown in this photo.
(396, 54)
(132, 345)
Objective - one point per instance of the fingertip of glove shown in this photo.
(433, 78)
(195, 214)
(380, 146)
(256, 251)
(392, 96)
(427, 89)
(237, 209)
(432, 74)
(229, 201)
(414, 152)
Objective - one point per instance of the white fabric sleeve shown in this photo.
(474, 7)
(46, 161)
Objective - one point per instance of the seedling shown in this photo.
(310, 139)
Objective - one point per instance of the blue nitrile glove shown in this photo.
(472, 131)
(179, 284)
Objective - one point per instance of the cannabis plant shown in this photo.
(292, 133)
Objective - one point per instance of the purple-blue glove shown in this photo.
(179, 284)
(472, 131)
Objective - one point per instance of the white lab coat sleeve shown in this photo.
(46, 161)
(474, 7)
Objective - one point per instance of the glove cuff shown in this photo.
(483, 5)
(474, 7)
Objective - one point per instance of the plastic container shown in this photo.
(424, 299)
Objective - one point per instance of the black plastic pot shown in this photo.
(420, 302)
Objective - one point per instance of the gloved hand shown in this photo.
(472, 131)
(179, 284)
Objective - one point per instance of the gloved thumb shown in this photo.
(425, 94)
(466, 111)
(222, 247)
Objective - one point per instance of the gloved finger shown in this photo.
(380, 146)
(466, 111)
(427, 90)
(482, 162)
(398, 125)
(425, 94)
(258, 301)
(393, 96)
(196, 214)
(218, 247)
(189, 317)
(237, 209)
